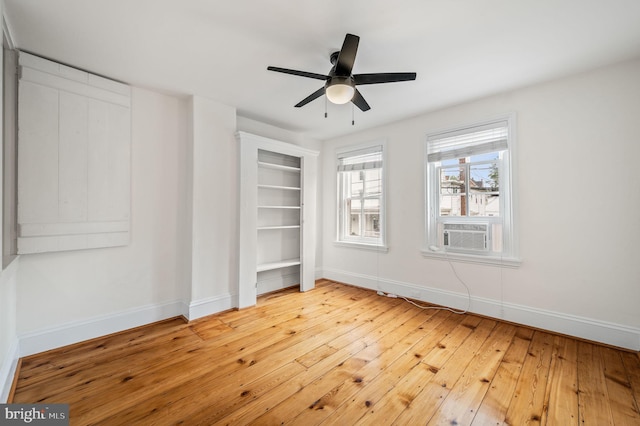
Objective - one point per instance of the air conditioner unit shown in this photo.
(466, 236)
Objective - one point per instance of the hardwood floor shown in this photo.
(336, 355)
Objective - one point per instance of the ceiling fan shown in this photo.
(340, 84)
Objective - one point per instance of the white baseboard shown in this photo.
(67, 334)
(8, 371)
(211, 305)
(55, 337)
(585, 328)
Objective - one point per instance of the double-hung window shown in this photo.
(470, 192)
(361, 195)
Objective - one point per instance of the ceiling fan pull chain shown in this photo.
(325, 107)
(353, 120)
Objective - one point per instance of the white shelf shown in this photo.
(288, 188)
(279, 207)
(278, 167)
(277, 265)
(263, 228)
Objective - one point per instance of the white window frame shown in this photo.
(434, 248)
(378, 244)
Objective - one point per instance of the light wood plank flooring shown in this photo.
(336, 355)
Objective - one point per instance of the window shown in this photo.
(469, 191)
(361, 196)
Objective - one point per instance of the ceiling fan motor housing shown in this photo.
(334, 57)
(336, 79)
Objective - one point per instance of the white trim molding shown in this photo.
(78, 331)
(618, 335)
(8, 370)
(211, 305)
(504, 262)
(362, 246)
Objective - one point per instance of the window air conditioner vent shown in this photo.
(466, 236)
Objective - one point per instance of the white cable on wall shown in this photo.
(440, 308)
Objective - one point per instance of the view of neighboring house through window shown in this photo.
(469, 189)
(360, 195)
(470, 186)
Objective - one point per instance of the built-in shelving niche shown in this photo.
(278, 225)
(277, 217)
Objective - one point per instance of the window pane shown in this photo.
(353, 213)
(451, 205)
(489, 156)
(354, 225)
(452, 180)
(484, 190)
(355, 184)
(372, 182)
(483, 204)
(354, 206)
(450, 162)
(483, 176)
(452, 191)
(372, 217)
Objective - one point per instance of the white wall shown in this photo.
(66, 297)
(578, 198)
(213, 223)
(8, 322)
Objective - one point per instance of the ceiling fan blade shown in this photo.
(311, 97)
(383, 77)
(299, 73)
(359, 101)
(347, 55)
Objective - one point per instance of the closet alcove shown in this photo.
(277, 224)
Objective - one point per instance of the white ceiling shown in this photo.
(460, 49)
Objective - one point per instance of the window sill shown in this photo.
(363, 246)
(505, 262)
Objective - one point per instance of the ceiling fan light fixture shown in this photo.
(340, 93)
(340, 83)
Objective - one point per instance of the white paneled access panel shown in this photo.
(277, 217)
(74, 143)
